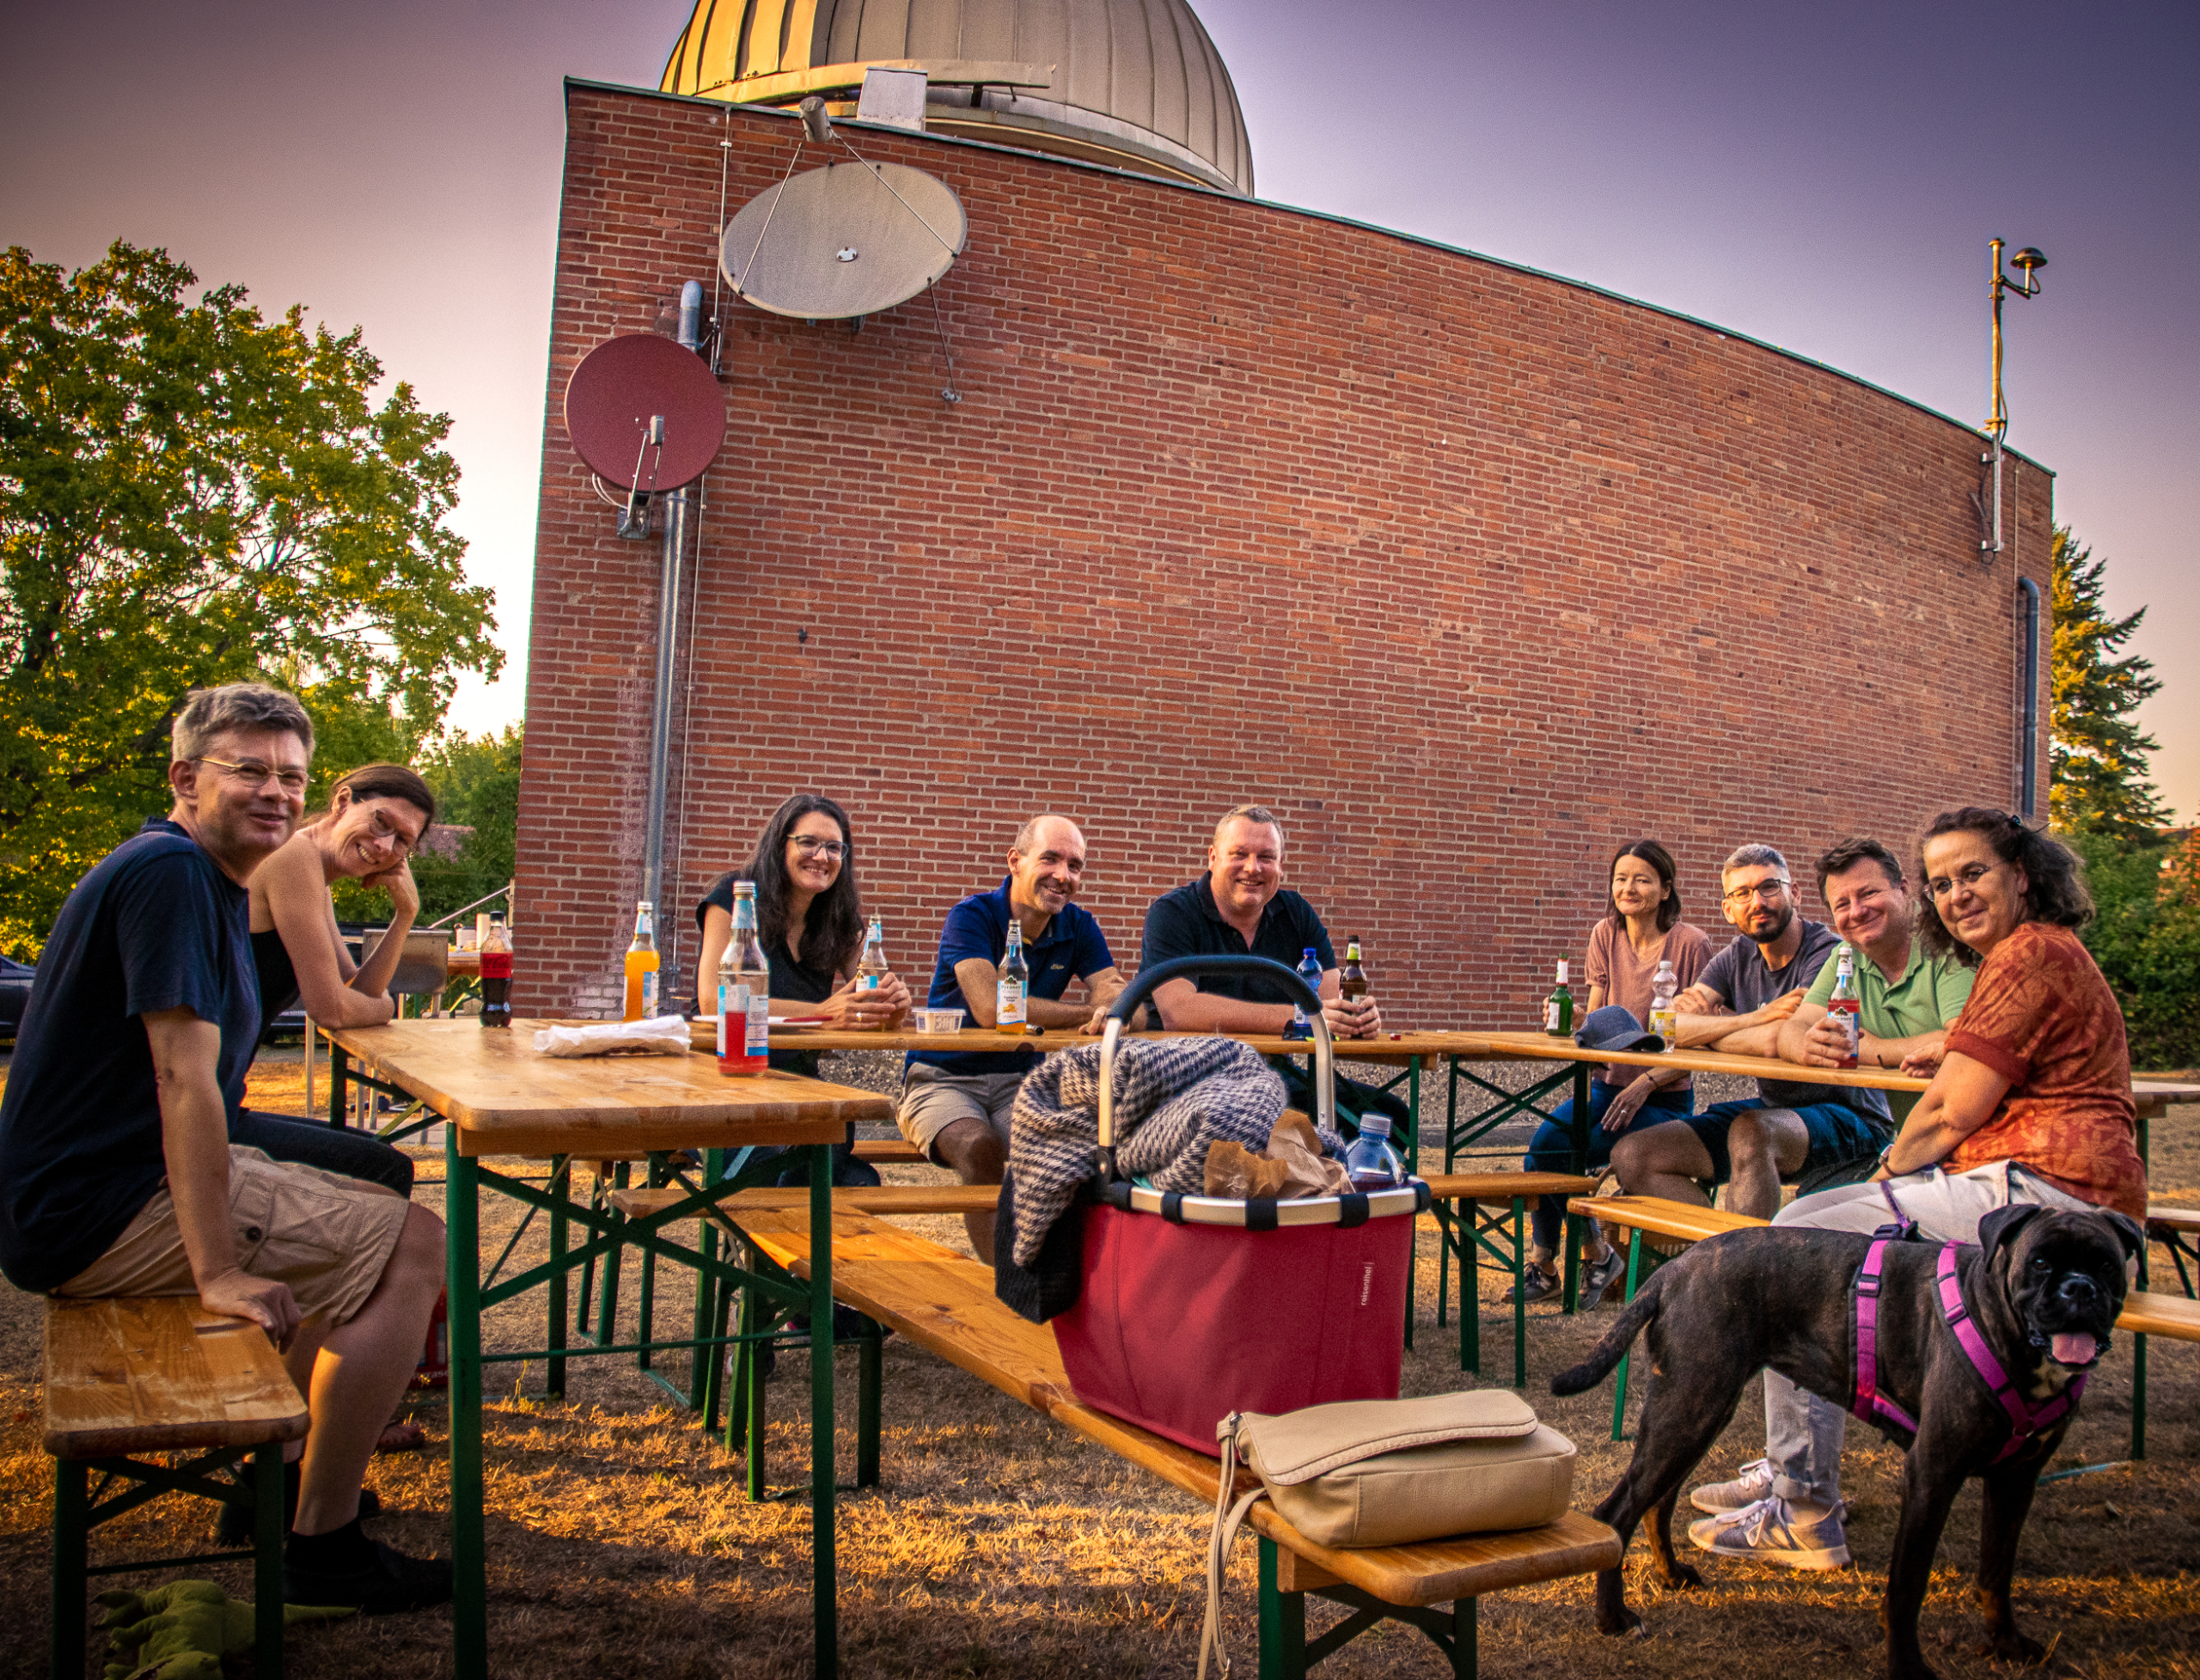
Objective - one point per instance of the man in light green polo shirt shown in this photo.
(1907, 998)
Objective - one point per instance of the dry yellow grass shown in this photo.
(620, 1543)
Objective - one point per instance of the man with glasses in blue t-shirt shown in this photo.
(1789, 1127)
(956, 1104)
(117, 1174)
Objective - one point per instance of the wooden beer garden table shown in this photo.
(499, 1097)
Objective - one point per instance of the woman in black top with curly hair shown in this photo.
(809, 921)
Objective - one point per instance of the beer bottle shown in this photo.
(870, 967)
(1012, 991)
(744, 991)
(1843, 1006)
(1558, 1008)
(642, 967)
(1351, 984)
(496, 975)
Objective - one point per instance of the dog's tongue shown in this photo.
(2074, 1347)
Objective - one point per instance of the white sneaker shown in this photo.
(1751, 1485)
(1769, 1532)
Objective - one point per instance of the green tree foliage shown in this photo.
(191, 494)
(2146, 938)
(2097, 756)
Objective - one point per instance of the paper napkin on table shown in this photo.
(661, 1035)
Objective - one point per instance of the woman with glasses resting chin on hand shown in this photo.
(376, 819)
(809, 921)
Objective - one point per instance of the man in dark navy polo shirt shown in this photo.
(1241, 906)
(117, 1175)
(955, 1104)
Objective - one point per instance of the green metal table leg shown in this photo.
(470, 1562)
(1469, 1289)
(1619, 1391)
(653, 1177)
(700, 1360)
(870, 1374)
(267, 1560)
(607, 1310)
(72, 1483)
(1283, 1623)
(340, 1063)
(560, 1238)
(823, 1564)
(1520, 1293)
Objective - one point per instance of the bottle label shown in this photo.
(496, 965)
(649, 994)
(1661, 1023)
(758, 1038)
(1009, 1004)
(866, 982)
(1550, 1017)
(726, 1002)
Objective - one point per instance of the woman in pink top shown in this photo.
(1642, 926)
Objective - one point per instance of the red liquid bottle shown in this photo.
(497, 977)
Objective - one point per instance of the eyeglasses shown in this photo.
(256, 774)
(1966, 877)
(385, 833)
(1766, 890)
(831, 851)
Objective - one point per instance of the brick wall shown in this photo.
(1471, 572)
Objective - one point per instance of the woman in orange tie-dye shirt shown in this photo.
(2031, 1104)
(2039, 1070)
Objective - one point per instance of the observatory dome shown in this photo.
(1134, 83)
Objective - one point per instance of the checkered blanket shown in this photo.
(1174, 1097)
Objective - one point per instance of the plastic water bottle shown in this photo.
(1665, 986)
(1369, 1160)
(1310, 970)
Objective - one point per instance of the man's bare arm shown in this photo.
(1186, 1009)
(195, 1140)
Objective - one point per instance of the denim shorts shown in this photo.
(1837, 1133)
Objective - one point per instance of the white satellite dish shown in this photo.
(850, 238)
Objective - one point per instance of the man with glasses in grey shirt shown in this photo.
(1738, 1005)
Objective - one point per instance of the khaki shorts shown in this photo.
(932, 1101)
(327, 1237)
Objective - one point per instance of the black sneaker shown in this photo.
(1599, 1275)
(350, 1570)
(233, 1526)
(1536, 1284)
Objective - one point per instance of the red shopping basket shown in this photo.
(1193, 1307)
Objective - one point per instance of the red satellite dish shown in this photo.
(622, 386)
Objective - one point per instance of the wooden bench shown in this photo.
(2145, 1314)
(131, 1376)
(878, 1199)
(898, 1150)
(945, 1303)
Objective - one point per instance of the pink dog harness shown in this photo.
(2026, 1419)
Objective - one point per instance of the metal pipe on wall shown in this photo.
(668, 640)
(2028, 768)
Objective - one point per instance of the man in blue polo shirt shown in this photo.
(956, 1104)
(1241, 906)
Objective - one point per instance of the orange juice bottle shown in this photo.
(642, 965)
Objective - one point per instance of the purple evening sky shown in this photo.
(1821, 177)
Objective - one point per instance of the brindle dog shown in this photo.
(2045, 1289)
